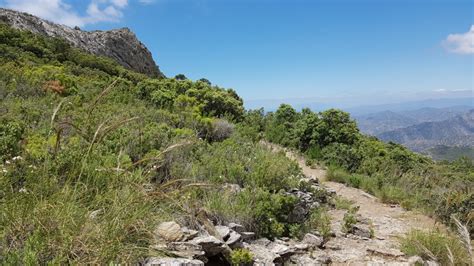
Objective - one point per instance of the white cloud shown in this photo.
(462, 43)
(61, 12)
(120, 3)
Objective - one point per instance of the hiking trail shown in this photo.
(389, 222)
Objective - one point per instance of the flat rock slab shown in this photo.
(223, 231)
(211, 245)
(262, 255)
(185, 249)
(236, 227)
(234, 237)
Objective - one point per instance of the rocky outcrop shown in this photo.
(121, 45)
(214, 242)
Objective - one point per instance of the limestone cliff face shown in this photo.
(121, 44)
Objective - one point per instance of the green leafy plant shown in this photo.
(349, 221)
(241, 257)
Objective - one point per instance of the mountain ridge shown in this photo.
(121, 45)
(456, 131)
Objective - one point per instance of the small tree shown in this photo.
(180, 77)
(205, 81)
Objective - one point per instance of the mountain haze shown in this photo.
(456, 131)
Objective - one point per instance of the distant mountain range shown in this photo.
(380, 122)
(455, 131)
(424, 129)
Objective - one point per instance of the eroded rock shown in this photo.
(223, 231)
(280, 249)
(262, 255)
(189, 233)
(234, 237)
(313, 240)
(211, 245)
(236, 227)
(247, 235)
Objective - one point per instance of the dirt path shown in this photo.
(389, 223)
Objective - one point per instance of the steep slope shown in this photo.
(457, 131)
(442, 152)
(121, 44)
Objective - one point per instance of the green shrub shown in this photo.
(320, 221)
(349, 220)
(11, 132)
(336, 174)
(241, 257)
(258, 210)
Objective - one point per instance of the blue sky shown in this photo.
(352, 52)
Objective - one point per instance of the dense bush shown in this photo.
(387, 170)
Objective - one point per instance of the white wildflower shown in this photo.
(17, 158)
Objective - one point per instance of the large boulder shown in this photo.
(169, 231)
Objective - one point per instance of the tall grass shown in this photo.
(437, 246)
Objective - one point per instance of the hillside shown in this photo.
(456, 131)
(121, 45)
(101, 164)
(450, 153)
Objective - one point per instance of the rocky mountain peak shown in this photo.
(122, 45)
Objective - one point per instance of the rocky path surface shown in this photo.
(388, 221)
